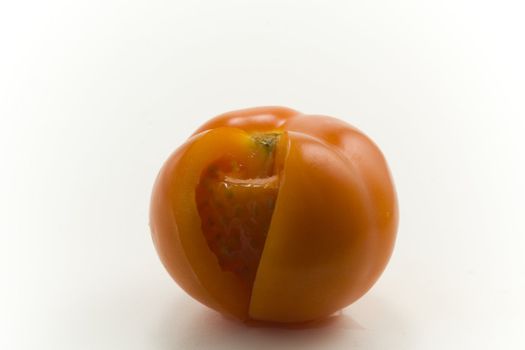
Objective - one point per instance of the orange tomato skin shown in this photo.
(333, 227)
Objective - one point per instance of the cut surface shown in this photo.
(235, 199)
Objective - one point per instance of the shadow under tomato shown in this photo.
(337, 320)
(189, 326)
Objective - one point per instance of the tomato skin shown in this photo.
(333, 227)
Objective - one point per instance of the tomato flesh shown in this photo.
(235, 199)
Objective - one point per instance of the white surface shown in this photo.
(95, 95)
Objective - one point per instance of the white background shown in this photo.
(94, 95)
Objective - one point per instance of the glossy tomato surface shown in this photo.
(272, 215)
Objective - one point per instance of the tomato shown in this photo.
(271, 215)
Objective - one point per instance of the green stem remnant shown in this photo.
(268, 141)
(266, 147)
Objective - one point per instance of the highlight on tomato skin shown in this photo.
(270, 215)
